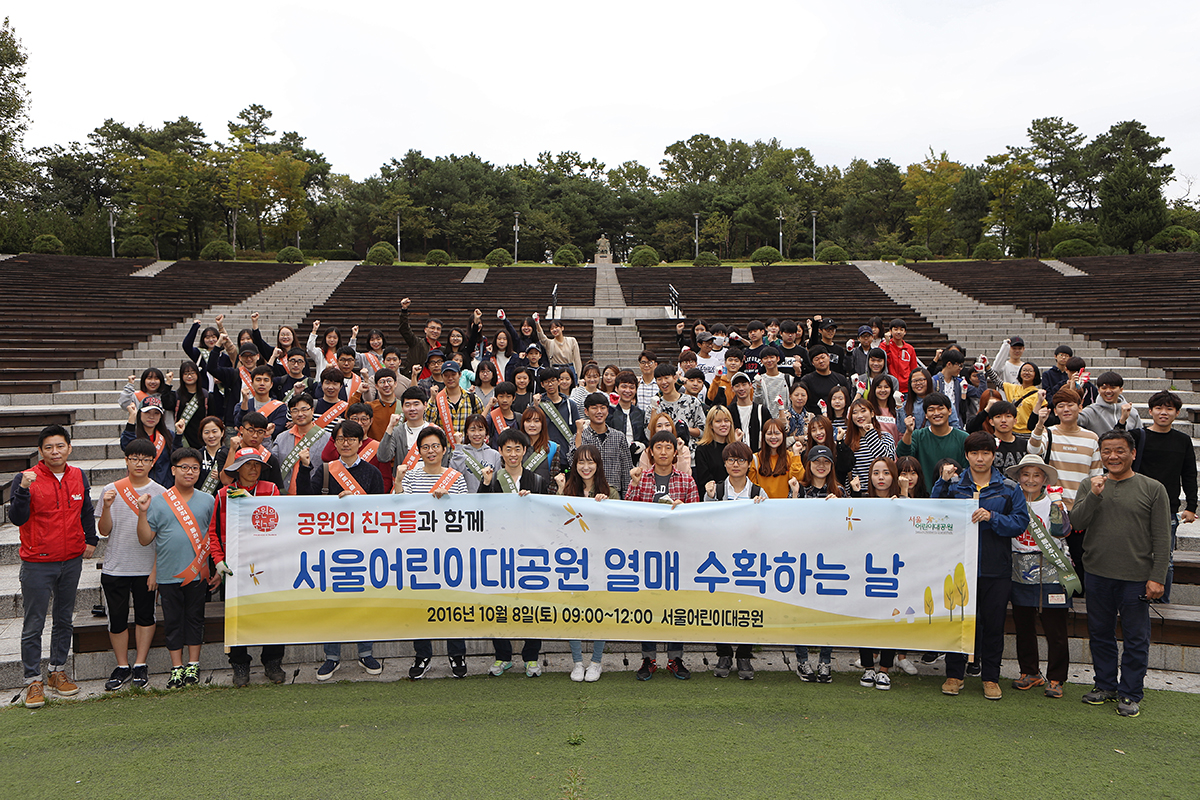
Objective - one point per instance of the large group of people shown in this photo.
(1075, 496)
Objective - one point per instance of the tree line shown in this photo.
(261, 191)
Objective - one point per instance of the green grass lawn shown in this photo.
(548, 738)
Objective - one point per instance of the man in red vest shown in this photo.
(52, 505)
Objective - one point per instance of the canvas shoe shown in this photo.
(326, 670)
(120, 676)
(824, 673)
(723, 668)
(35, 695)
(593, 672)
(61, 684)
(1127, 707)
(418, 669)
(498, 668)
(577, 672)
(745, 669)
(241, 675)
(1098, 696)
(371, 665)
(675, 667)
(191, 675)
(532, 669)
(952, 686)
(176, 679)
(883, 681)
(458, 666)
(647, 670)
(991, 690)
(141, 676)
(909, 667)
(867, 679)
(1028, 681)
(805, 671)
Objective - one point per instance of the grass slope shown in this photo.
(550, 738)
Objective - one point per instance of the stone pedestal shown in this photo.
(602, 258)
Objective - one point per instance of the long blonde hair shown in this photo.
(708, 437)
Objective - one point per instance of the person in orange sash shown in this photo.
(128, 569)
(357, 387)
(257, 397)
(368, 449)
(349, 474)
(450, 407)
(252, 432)
(176, 522)
(399, 443)
(246, 466)
(147, 421)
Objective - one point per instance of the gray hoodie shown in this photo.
(1101, 417)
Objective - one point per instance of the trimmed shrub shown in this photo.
(137, 246)
(380, 255)
(217, 250)
(889, 250)
(391, 248)
(707, 259)
(290, 255)
(1172, 239)
(987, 251)
(1073, 247)
(821, 245)
(49, 243)
(644, 256)
(567, 256)
(498, 258)
(901, 261)
(916, 252)
(832, 255)
(767, 256)
(436, 258)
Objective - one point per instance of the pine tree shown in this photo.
(1132, 208)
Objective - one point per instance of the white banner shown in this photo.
(848, 573)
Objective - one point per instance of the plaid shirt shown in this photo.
(467, 405)
(681, 487)
(614, 455)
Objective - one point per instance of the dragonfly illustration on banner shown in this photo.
(254, 575)
(851, 519)
(577, 517)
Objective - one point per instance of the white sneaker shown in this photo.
(532, 669)
(593, 672)
(867, 679)
(856, 664)
(907, 666)
(882, 681)
(577, 672)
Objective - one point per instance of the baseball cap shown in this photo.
(863, 330)
(451, 366)
(1016, 341)
(820, 451)
(152, 402)
(739, 376)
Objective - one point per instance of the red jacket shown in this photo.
(56, 518)
(901, 361)
(216, 528)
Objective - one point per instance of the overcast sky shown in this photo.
(365, 81)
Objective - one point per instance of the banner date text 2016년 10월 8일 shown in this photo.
(840, 572)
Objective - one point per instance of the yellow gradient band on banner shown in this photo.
(846, 573)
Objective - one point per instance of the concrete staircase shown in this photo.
(618, 343)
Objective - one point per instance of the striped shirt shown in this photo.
(418, 481)
(870, 447)
(1075, 455)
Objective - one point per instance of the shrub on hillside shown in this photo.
(380, 255)
(889, 250)
(916, 252)
(437, 258)
(1073, 247)
(987, 251)
(216, 250)
(290, 255)
(644, 256)
(707, 259)
(766, 256)
(833, 254)
(1172, 239)
(498, 258)
(136, 246)
(567, 256)
(48, 243)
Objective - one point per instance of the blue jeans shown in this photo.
(825, 656)
(1108, 598)
(577, 650)
(40, 579)
(333, 650)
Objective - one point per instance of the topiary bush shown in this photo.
(567, 256)
(1073, 247)
(137, 246)
(380, 255)
(901, 261)
(48, 243)
(290, 255)
(832, 254)
(498, 258)
(917, 252)
(889, 250)
(766, 256)
(821, 245)
(437, 258)
(707, 259)
(1172, 239)
(216, 250)
(987, 251)
(644, 256)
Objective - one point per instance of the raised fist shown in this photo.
(354, 333)
(710, 488)
(910, 423)
(679, 326)
(949, 473)
(1098, 484)
(404, 303)
(305, 457)
(855, 483)
(109, 497)
(316, 325)
(143, 503)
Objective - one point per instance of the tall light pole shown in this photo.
(398, 258)
(696, 238)
(814, 235)
(780, 218)
(112, 234)
(516, 233)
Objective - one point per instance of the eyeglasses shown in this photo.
(252, 431)
(429, 448)
(736, 461)
(139, 460)
(346, 439)
(187, 467)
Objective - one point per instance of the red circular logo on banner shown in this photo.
(265, 519)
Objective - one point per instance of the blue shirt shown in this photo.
(172, 546)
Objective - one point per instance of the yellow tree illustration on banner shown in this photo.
(949, 595)
(929, 603)
(960, 586)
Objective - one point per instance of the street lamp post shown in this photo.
(398, 258)
(814, 236)
(516, 233)
(112, 234)
(780, 218)
(696, 238)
